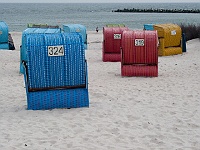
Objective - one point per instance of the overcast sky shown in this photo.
(98, 1)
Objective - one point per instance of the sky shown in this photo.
(99, 1)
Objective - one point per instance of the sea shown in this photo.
(91, 15)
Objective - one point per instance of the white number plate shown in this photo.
(56, 50)
(117, 36)
(78, 30)
(139, 42)
(173, 32)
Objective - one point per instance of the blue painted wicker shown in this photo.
(66, 98)
(4, 46)
(57, 98)
(3, 32)
(148, 27)
(4, 36)
(45, 71)
(56, 82)
(23, 52)
(77, 28)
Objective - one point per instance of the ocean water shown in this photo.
(17, 16)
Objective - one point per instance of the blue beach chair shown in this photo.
(148, 27)
(3, 35)
(55, 71)
(77, 28)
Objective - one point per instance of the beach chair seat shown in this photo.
(170, 50)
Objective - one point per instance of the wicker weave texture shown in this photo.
(4, 46)
(172, 51)
(146, 53)
(23, 51)
(3, 32)
(68, 98)
(139, 70)
(170, 32)
(167, 51)
(45, 71)
(77, 28)
(112, 39)
(139, 53)
(111, 57)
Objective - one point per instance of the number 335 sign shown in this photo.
(139, 42)
(56, 50)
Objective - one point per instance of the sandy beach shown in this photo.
(125, 113)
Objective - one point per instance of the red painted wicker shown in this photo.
(139, 53)
(112, 38)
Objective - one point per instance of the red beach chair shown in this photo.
(112, 37)
(139, 53)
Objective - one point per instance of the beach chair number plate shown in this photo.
(173, 32)
(117, 36)
(139, 42)
(56, 50)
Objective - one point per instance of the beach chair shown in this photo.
(32, 30)
(139, 53)
(4, 44)
(171, 49)
(112, 37)
(6, 40)
(170, 37)
(148, 27)
(55, 71)
(77, 28)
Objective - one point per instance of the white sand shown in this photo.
(125, 113)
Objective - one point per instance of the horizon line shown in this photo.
(89, 2)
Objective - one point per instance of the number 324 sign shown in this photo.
(56, 50)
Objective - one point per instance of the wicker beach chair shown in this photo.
(77, 28)
(170, 37)
(4, 35)
(139, 53)
(55, 71)
(112, 38)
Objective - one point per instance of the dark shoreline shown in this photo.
(160, 10)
